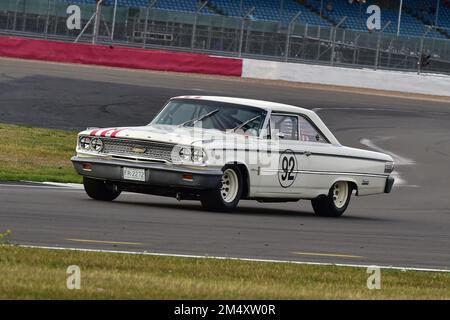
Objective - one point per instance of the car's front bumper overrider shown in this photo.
(389, 184)
(156, 174)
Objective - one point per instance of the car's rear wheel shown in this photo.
(335, 203)
(225, 197)
(100, 190)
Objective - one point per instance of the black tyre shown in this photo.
(335, 203)
(225, 197)
(100, 190)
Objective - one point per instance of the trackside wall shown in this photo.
(58, 51)
(162, 60)
(406, 82)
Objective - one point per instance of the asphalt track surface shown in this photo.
(409, 227)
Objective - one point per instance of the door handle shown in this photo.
(307, 153)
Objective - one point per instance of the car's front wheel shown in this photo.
(225, 197)
(335, 203)
(100, 190)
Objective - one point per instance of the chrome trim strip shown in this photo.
(122, 157)
(302, 153)
(334, 173)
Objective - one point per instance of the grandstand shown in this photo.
(220, 29)
(356, 17)
(269, 10)
(173, 5)
(416, 15)
(426, 11)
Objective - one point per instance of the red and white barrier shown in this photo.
(407, 82)
(58, 51)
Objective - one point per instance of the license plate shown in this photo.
(134, 174)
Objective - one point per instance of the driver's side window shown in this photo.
(284, 126)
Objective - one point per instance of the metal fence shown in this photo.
(148, 27)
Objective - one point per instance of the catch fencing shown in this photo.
(201, 32)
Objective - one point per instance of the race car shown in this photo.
(220, 150)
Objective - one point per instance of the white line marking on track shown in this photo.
(37, 187)
(239, 259)
(398, 160)
(64, 185)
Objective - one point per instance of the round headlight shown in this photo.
(198, 156)
(96, 145)
(185, 154)
(85, 143)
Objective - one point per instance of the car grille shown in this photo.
(138, 149)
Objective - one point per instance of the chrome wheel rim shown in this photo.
(340, 194)
(229, 185)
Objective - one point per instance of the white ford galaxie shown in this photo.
(219, 150)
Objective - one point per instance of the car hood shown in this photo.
(162, 133)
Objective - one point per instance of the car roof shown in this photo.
(271, 106)
(268, 105)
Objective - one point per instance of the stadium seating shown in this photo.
(444, 17)
(426, 11)
(356, 17)
(269, 10)
(416, 14)
(174, 5)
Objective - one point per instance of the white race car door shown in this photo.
(282, 178)
(314, 181)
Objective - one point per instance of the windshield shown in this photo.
(212, 115)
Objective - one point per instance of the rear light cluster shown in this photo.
(388, 167)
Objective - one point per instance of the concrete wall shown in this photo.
(359, 78)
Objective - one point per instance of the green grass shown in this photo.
(41, 274)
(28, 153)
(36, 154)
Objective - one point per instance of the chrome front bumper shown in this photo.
(156, 174)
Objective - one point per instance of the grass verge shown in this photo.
(41, 274)
(36, 154)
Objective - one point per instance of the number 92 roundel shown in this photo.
(287, 171)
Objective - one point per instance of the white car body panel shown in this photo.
(318, 165)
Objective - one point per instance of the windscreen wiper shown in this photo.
(246, 122)
(194, 121)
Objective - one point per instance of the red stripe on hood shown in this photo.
(94, 132)
(115, 132)
(104, 132)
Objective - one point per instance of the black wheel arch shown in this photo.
(245, 177)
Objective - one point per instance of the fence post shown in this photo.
(194, 27)
(24, 17)
(113, 27)
(289, 30)
(319, 35)
(147, 13)
(377, 54)
(419, 60)
(334, 39)
(15, 15)
(150, 6)
(305, 35)
(98, 15)
(355, 46)
(241, 39)
(390, 52)
(47, 19)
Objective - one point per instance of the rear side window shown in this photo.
(285, 126)
(309, 133)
